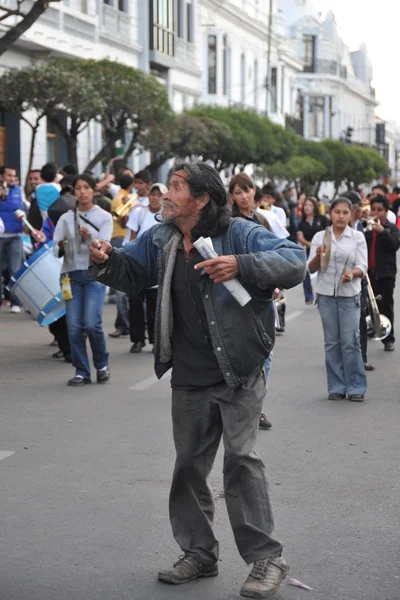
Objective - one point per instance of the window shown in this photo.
(162, 26)
(225, 65)
(122, 5)
(51, 142)
(316, 117)
(308, 57)
(274, 90)
(189, 22)
(255, 84)
(242, 78)
(212, 64)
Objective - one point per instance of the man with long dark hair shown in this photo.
(216, 349)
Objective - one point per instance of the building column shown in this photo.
(144, 35)
(306, 107)
(193, 22)
(220, 64)
(327, 117)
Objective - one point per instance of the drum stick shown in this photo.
(21, 216)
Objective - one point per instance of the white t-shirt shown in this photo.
(280, 213)
(391, 217)
(141, 220)
(275, 223)
(141, 203)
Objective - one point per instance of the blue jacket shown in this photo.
(242, 337)
(8, 207)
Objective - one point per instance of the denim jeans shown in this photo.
(200, 419)
(121, 298)
(344, 364)
(267, 370)
(84, 313)
(11, 258)
(308, 289)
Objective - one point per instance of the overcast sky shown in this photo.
(378, 25)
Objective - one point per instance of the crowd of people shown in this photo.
(271, 241)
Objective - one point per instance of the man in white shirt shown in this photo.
(140, 220)
(270, 197)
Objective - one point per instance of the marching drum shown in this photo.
(37, 285)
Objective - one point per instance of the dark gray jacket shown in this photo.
(242, 337)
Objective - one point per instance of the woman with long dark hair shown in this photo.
(311, 222)
(341, 260)
(85, 297)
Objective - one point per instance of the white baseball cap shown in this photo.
(160, 186)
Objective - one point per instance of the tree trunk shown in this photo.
(32, 150)
(157, 163)
(18, 30)
(130, 149)
(72, 150)
(97, 158)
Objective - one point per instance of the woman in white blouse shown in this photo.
(338, 298)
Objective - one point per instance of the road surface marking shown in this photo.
(294, 315)
(5, 454)
(147, 383)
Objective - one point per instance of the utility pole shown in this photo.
(268, 79)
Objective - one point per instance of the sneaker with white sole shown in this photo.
(265, 578)
(187, 569)
(16, 309)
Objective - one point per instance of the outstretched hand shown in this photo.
(100, 251)
(221, 268)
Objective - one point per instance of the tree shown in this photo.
(194, 136)
(301, 169)
(28, 89)
(136, 105)
(28, 18)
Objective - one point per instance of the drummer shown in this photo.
(72, 238)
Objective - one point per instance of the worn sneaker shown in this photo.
(265, 578)
(187, 569)
(264, 423)
(16, 309)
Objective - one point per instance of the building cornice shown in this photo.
(337, 80)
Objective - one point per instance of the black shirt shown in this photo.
(194, 362)
(310, 229)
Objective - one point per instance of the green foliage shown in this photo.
(303, 168)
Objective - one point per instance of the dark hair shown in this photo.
(34, 171)
(382, 187)
(379, 199)
(67, 184)
(144, 175)
(87, 178)
(353, 196)
(203, 179)
(125, 181)
(48, 172)
(258, 195)
(4, 167)
(341, 200)
(314, 202)
(396, 189)
(270, 190)
(244, 181)
(70, 169)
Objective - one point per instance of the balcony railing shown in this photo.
(330, 67)
(185, 52)
(116, 23)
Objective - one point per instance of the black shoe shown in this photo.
(336, 396)
(187, 569)
(58, 354)
(137, 347)
(369, 367)
(280, 330)
(103, 376)
(264, 423)
(78, 381)
(356, 398)
(68, 358)
(389, 347)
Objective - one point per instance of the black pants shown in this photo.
(60, 332)
(385, 289)
(363, 322)
(136, 315)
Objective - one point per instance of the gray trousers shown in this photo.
(200, 419)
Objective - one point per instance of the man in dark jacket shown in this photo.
(216, 349)
(383, 242)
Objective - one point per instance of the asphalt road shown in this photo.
(84, 496)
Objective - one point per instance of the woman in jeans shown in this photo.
(311, 222)
(72, 238)
(338, 299)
